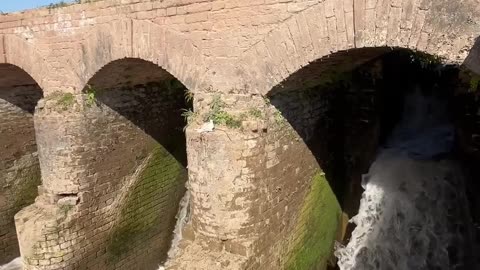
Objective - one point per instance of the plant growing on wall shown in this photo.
(189, 96)
(64, 4)
(426, 61)
(57, 5)
(219, 116)
(63, 101)
(91, 95)
(189, 115)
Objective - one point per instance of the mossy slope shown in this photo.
(316, 228)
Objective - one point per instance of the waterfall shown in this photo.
(413, 213)
(182, 218)
(16, 264)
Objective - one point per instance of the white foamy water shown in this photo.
(412, 216)
(182, 219)
(413, 213)
(16, 264)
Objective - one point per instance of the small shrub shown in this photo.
(57, 5)
(189, 115)
(91, 95)
(425, 60)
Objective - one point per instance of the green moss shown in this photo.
(226, 119)
(316, 229)
(161, 180)
(62, 100)
(474, 82)
(64, 209)
(26, 190)
(279, 119)
(256, 113)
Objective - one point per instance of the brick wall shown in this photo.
(219, 38)
(19, 168)
(126, 180)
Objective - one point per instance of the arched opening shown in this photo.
(138, 162)
(348, 110)
(19, 165)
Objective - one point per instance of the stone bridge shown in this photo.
(95, 146)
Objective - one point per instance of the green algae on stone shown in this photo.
(26, 190)
(162, 179)
(316, 228)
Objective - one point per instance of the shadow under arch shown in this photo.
(19, 164)
(139, 131)
(314, 102)
(343, 107)
(472, 61)
(144, 83)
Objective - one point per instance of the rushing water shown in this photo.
(413, 213)
(182, 219)
(16, 264)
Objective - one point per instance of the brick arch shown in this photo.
(144, 40)
(330, 27)
(18, 52)
(136, 149)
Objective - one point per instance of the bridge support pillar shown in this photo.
(110, 191)
(258, 194)
(222, 164)
(45, 229)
